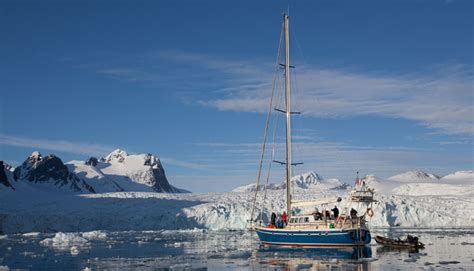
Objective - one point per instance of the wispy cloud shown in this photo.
(339, 160)
(455, 142)
(237, 67)
(440, 98)
(132, 75)
(56, 145)
(443, 103)
(188, 72)
(184, 164)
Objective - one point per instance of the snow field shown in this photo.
(445, 202)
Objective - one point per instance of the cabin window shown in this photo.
(306, 219)
(301, 220)
(292, 220)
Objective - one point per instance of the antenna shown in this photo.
(288, 8)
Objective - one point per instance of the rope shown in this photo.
(266, 125)
(273, 153)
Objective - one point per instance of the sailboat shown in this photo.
(314, 229)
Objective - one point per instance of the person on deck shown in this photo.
(283, 217)
(273, 219)
(317, 215)
(353, 213)
(279, 222)
(327, 214)
(335, 211)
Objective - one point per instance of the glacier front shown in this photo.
(444, 202)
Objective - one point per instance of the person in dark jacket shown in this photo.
(335, 211)
(353, 213)
(273, 219)
(317, 215)
(279, 222)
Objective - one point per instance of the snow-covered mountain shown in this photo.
(93, 176)
(381, 186)
(307, 180)
(4, 180)
(120, 171)
(419, 183)
(466, 176)
(49, 172)
(116, 172)
(415, 176)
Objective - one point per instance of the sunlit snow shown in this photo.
(446, 202)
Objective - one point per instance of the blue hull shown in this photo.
(281, 237)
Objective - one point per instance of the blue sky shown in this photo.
(384, 86)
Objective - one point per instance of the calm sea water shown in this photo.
(446, 249)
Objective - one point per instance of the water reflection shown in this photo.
(347, 258)
(383, 249)
(234, 250)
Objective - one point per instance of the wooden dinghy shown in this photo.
(409, 242)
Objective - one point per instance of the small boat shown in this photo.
(409, 242)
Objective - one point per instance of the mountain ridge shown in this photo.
(116, 172)
(311, 179)
(306, 180)
(414, 176)
(49, 170)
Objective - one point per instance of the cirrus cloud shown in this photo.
(441, 97)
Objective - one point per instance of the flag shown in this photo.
(357, 182)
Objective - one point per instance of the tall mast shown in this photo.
(288, 116)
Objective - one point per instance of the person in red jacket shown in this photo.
(283, 217)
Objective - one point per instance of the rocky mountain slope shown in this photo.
(4, 180)
(116, 172)
(48, 172)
